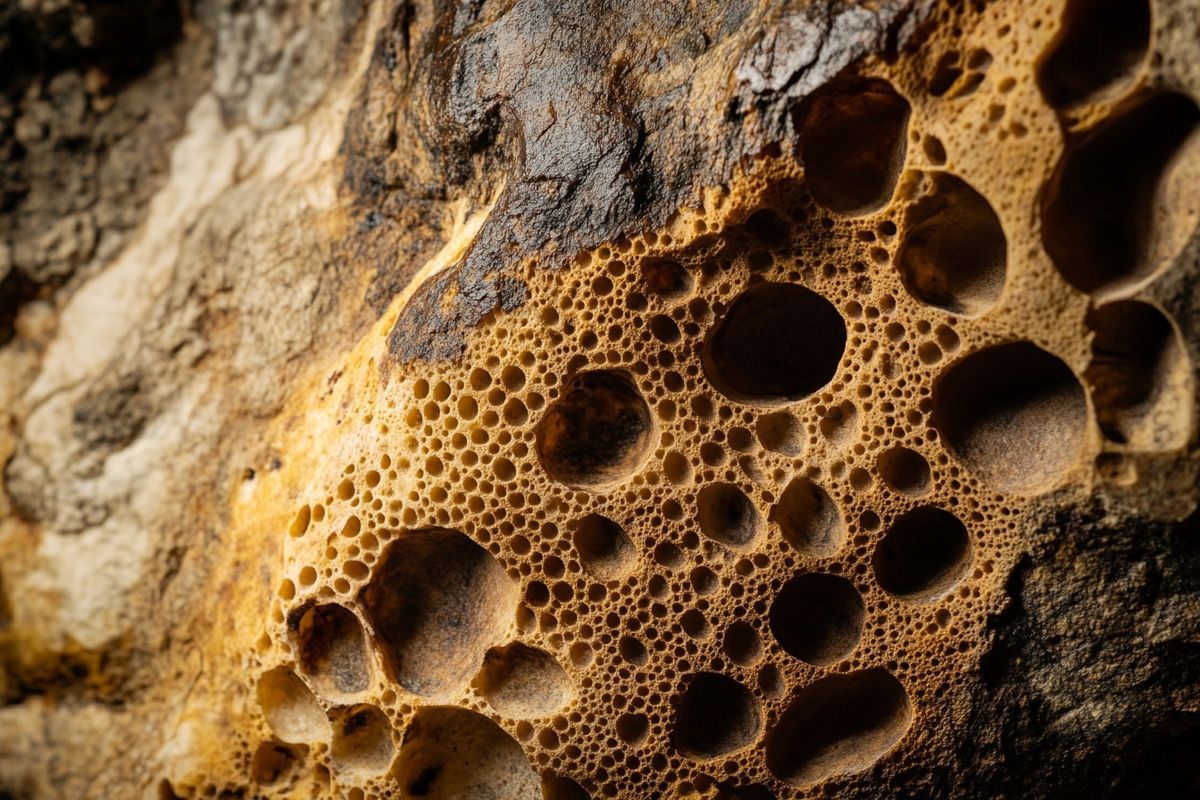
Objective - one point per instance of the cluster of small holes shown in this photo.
(683, 529)
(667, 567)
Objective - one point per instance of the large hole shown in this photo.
(437, 602)
(840, 724)
(597, 432)
(1013, 414)
(333, 650)
(777, 342)
(1126, 198)
(522, 682)
(781, 432)
(926, 552)
(452, 753)
(727, 515)
(904, 470)
(362, 741)
(291, 710)
(1140, 376)
(1101, 42)
(954, 255)
(715, 715)
(818, 618)
(741, 643)
(605, 550)
(853, 140)
(809, 519)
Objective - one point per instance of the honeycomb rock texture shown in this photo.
(519, 399)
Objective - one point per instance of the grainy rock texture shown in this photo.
(517, 399)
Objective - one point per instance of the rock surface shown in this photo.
(508, 399)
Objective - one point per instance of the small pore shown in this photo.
(301, 521)
(728, 516)
(934, 150)
(946, 73)
(597, 432)
(666, 278)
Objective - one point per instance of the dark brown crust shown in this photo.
(598, 130)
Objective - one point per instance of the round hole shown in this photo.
(853, 143)
(633, 728)
(273, 761)
(1013, 414)
(727, 516)
(1139, 374)
(362, 741)
(924, 554)
(694, 624)
(1100, 45)
(781, 432)
(818, 618)
(666, 277)
(522, 682)
(1123, 200)
(332, 649)
(742, 644)
(632, 651)
(452, 752)
(904, 470)
(605, 550)
(777, 342)
(716, 715)
(597, 432)
(437, 601)
(291, 710)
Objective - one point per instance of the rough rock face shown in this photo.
(558, 399)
